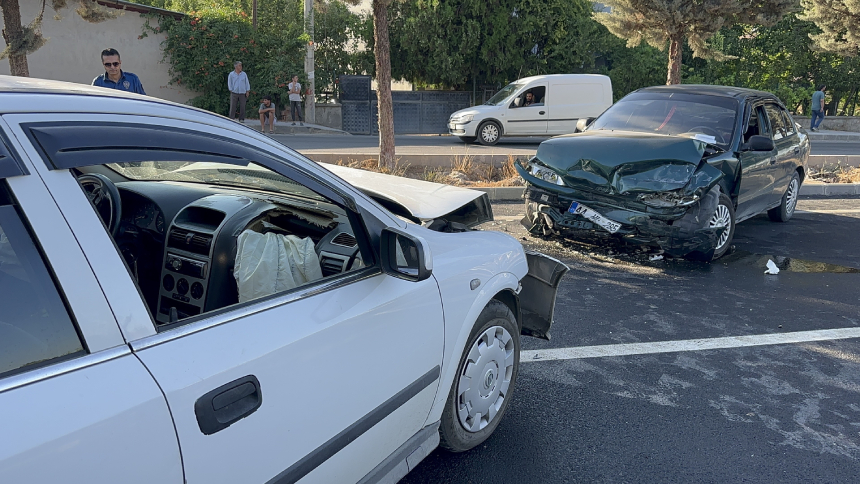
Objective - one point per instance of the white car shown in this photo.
(183, 299)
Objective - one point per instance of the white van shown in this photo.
(555, 104)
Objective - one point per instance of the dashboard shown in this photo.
(179, 240)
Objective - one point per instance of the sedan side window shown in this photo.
(35, 325)
(789, 123)
(776, 121)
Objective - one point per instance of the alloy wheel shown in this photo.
(721, 218)
(791, 196)
(485, 378)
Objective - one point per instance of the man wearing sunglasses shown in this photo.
(114, 77)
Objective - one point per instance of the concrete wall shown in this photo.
(329, 115)
(74, 45)
(835, 123)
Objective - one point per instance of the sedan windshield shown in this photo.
(672, 114)
(504, 94)
(251, 176)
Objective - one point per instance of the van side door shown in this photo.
(524, 118)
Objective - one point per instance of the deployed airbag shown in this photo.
(270, 263)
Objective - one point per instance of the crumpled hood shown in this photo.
(618, 162)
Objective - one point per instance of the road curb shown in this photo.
(807, 189)
(844, 160)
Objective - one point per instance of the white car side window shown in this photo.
(35, 326)
(202, 236)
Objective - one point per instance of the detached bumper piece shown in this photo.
(539, 289)
(677, 232)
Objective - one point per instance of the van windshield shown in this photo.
(504, 94)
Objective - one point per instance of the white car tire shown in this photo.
(486, 376)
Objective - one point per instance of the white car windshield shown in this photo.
(506, 92)
(672, 114)
(248, 176)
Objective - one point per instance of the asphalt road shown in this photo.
(786, 413)
(442, 145)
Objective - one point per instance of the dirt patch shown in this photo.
(836, 174)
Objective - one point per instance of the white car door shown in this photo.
(75, 403)
(320, 383)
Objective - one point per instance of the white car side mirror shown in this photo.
(405, 256)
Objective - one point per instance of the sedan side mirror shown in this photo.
(405, 256)
(758, 143)
(582, 124)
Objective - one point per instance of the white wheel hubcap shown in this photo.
(485, 378)
(721, 218)
(490, 133)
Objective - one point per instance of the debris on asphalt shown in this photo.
(656, 257)
(772, 269)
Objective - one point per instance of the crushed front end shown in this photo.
(648, 189)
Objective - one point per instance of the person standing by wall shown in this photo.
(817, 108)
(296, 101)
(114, 77)
(240, 88)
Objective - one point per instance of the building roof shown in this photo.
(136, 7)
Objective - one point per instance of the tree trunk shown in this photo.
(12, 30)
(382, 49)
(674, 76)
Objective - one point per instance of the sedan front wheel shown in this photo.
(724, 216)
(485, 380)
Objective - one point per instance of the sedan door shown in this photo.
(319, 383)
(756, 182)
(786, 141)
(75, 403)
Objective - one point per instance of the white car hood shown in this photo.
(422, 199)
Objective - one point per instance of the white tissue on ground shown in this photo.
(656, 257)
(771, 268)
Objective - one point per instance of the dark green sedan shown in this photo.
(676, 167)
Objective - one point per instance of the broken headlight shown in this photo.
(542, 173)
(668, 199)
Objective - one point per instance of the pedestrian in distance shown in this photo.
(817, 108)
(240, 88)
(114, 77)
(267, 113)
(296, 101)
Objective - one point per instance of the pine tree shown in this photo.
(669, 22)
(839, 21)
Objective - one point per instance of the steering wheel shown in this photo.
(708, 130)
(103, 193)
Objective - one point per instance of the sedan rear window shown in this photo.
(672, 114)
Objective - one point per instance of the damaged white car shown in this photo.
(185, 300)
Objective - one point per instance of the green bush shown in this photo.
(202, 47)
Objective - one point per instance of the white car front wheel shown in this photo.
(485, 380)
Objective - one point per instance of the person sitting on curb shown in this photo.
(267, 112)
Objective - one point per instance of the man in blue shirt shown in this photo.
(240, 88)
(114, 77)
(817, 108)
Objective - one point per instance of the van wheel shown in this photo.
(468, 139)
(489, 133)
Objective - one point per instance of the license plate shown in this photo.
(589, 214)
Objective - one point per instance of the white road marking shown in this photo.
(579, 352)
(829, 211)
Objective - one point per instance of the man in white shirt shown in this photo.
(296, 100)
(240, 88)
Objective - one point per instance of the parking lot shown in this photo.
(675, 371)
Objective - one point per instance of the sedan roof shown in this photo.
(710, 90)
